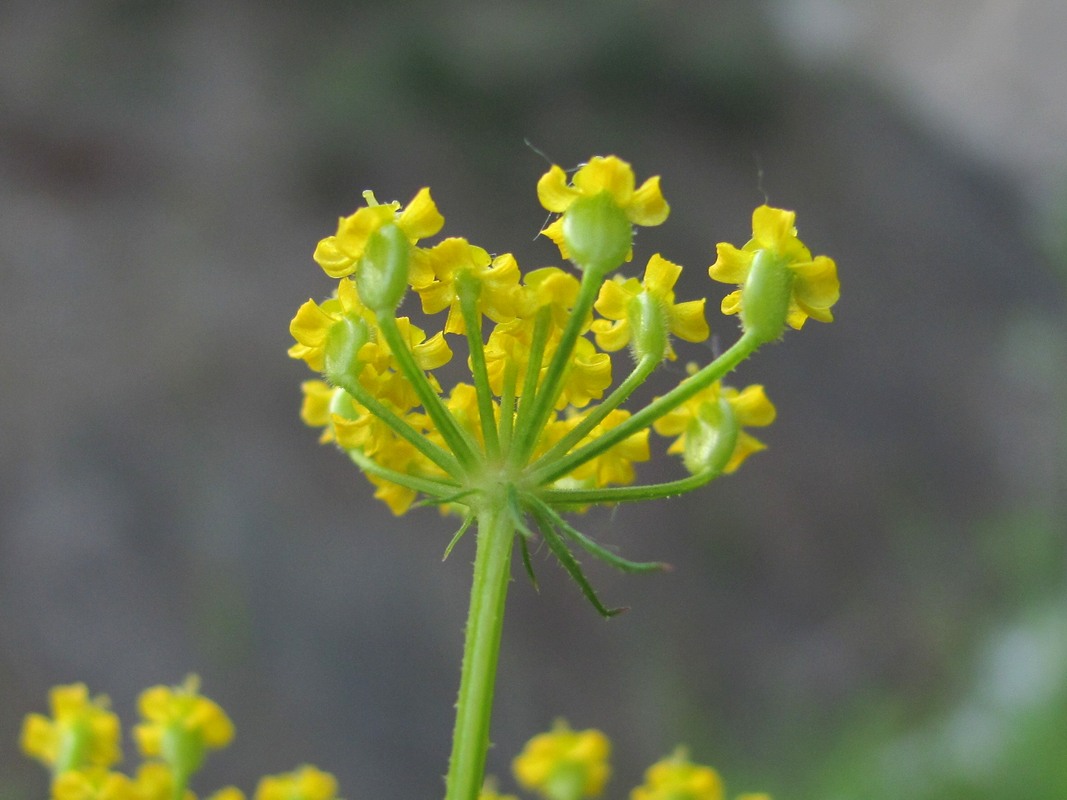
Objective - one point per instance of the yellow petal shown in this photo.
(420, 270)
(688, 322)
(310, 324)
(647, 207)
(432, 353)
(354, 230)
(611, 336)
(553, 191)
(554, 231)
(315, 410)
(773, 227)
(731, 304)
(436, 296)
(606, 173)
(615, 296)
(731, 265)
(334, 261)
(746, 446)
(816, 285)
(661, 275)
(421, 217)
(752, 407)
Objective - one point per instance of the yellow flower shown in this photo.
(311, 325)
(598, 210)
(305, 783)
(675, 778)
(339, 254)
(811, 287)
(80, 733)
(616, 305)
(564, 763)
(436, 275)
(750, 408)
(643, 206)
(93, 783)
(180, 724)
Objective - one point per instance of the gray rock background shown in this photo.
(853, 600)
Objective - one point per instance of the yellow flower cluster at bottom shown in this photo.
(79, 744)
(564, 764)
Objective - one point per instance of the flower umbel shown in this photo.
(543, 425)
(180, 725)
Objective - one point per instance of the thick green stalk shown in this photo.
(485, 621)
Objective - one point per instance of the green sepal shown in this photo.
(75, 742)
(649, 325)
(711, 438)
(183, 750)
(597, 233)
(343, 342)
(765, 297)
(382, 276)
(567, 782)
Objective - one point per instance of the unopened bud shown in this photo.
(382, 275)
(597, 233)
(765, 297)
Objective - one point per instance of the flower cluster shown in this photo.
(541, 425)
(79, 744)
(564, 764)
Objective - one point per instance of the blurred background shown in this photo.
(875, 607)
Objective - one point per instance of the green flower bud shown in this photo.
(765, 297)
(183, 748)
(382, 276)
(74, 745)
(711, 438)
(567, 782)
(597, 233)
(649, 324)
(341, 353)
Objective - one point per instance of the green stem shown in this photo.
(472, 321)
(458, 440)
(528, 400)
(507, 405)
(644, 368)
(441, 458)
(485, 620)
(738, 352)
(626, 494)
(552, 385)
(429, 486)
